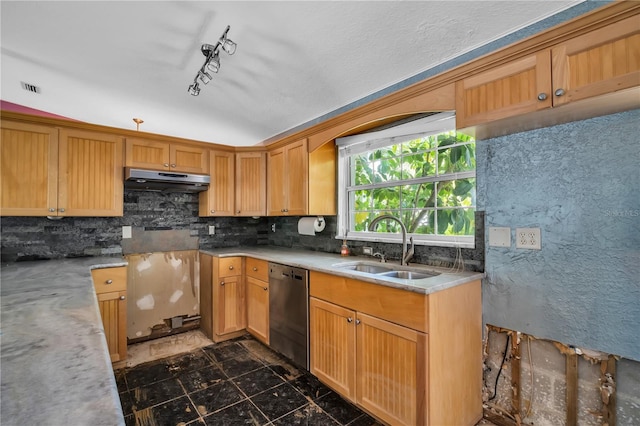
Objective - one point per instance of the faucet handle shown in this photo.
(382, 259)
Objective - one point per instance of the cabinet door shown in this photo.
(230, 305)
(258, 309)
(251, 188)
(229, 266)
(296, 170)
(91, 174)
(515, 88)
(218, 200)
(189, 159)
(147, 154)
(276, 190)
(113, 309)
(29, 184)
(599, 62)
(332, 335)
(391, 366)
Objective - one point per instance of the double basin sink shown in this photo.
(386, 270)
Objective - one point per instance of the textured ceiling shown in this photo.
(107, 62)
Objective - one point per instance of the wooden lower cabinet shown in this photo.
(366, 344)
(222, 297)
(111, 289)
(379, 365)
(257, 283)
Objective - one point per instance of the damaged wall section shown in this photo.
(547, 383)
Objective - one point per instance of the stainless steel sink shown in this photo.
(409, 275)
(386, 270)
(366, 267)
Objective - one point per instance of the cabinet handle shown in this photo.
(61, 210)
(265, 288)
(108, 282)
(559, 92)
(238, 212)
(52, 210)
(122, 298)
(173, 165)
(221, 282)
(349, 320)
(542, 97)
(286, 210)
(230, 267)
(166, 164)
(357, 322)
(213, 211)
(255, 269)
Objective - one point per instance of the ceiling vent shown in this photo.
(30, 87)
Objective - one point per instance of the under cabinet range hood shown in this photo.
(164, 181)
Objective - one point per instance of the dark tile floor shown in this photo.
(239, 382)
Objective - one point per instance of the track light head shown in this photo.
(212, 63)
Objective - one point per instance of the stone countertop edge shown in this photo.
(55, 366)
(330, 264)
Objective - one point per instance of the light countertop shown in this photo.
(330, 263)
(55, 364)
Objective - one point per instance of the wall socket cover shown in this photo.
(528, 238)
(212, 229)
(126, 232)
(367, 250)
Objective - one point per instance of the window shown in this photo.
(422, 172)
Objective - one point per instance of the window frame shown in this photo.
(364, 142)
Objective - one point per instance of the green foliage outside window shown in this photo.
(428, 182)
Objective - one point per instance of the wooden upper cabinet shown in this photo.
(599, 62)
(156, 155)
(602, 61)
(287, 175)
(251, 187)
(218, 200)
(515, 88)
(66, 172)
(29, 155)
(90, 174)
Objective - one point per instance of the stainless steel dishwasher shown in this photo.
(289, 312)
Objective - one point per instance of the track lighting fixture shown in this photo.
(212, 63)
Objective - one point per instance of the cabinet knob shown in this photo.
(238, 212)
(61, 210)
(286, 210)
(255, 269)
(230, 267)
(173, 165)
(357, 322)
(108, 282)
(221, 282)
(542, 97)
(122, 297)
(52, 210)
(559, 92)
(166, 164)
(213, 211)
(349, 320)
(265, 288)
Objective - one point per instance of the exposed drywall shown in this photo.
(579, 183)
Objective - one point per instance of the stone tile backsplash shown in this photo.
(32, 238)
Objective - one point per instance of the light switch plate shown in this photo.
(212, 229)
(499, 236)
(126, 232)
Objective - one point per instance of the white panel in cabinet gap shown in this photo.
(499, 236)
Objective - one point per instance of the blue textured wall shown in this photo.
(580, 183)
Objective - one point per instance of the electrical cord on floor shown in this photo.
(504, 357)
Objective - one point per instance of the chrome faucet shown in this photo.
(406, 256)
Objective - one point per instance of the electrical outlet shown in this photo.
(528, 238)
(212, 230)
(126, 232)
(367, 250)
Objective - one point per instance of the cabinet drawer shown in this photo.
(229, 266)
(107, 280)
(257, 268)
(398, 306)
